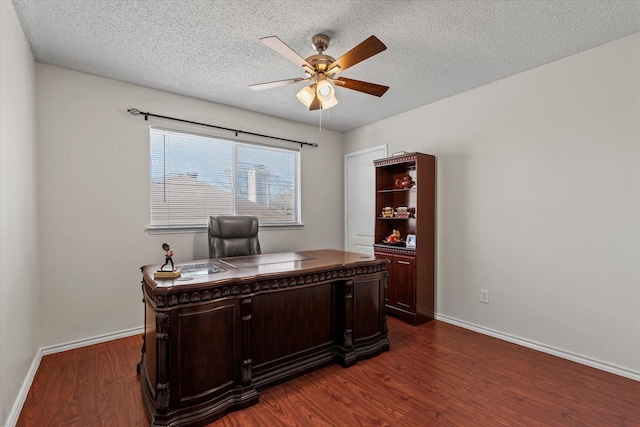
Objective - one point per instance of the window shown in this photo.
(195, 176)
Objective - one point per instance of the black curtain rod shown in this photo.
(136, 112)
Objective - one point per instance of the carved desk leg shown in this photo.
(246, 310)
(345, 306)
(383, 298)
(144, 340)
(163, 324)
(142, 352)
(248, 394)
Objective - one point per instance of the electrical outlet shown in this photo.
(484, 296)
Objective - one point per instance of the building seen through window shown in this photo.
(196, 176)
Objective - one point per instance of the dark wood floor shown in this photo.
(435, 374)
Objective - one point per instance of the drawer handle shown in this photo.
(404, 262)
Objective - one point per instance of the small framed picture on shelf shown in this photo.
(411, 240)
(388, 212)
(402, 212)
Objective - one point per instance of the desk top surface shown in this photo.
(264, 267)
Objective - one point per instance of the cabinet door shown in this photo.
(390, 294)
(404, 281)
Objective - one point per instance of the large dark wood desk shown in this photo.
(213, 342)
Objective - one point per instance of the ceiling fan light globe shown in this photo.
(325, 90)
(331, 102)
(306, 95)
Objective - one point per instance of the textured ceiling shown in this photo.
(209, 49)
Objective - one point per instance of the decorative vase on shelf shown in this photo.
(404, 182)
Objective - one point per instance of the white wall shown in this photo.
(18, 227)
(94, 198)
(539, 202)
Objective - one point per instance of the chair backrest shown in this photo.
(233, 236)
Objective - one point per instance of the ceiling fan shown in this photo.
(322, 70)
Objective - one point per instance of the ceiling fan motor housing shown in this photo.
(320, 62)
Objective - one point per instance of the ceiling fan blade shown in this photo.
(279, 46)
(277, 83)
(315, 104)
(364, 50)
(360, 86)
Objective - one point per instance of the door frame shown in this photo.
(384, 148)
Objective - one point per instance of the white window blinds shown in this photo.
(196, 176)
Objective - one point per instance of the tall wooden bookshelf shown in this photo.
(411, 285)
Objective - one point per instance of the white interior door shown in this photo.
(360, 188)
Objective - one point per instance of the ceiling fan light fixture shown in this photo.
(321, 70)
(306, 95)
(329, 103)
(325, 90)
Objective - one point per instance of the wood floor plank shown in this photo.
(118, 385)
(436, 374)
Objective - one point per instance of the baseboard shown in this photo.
(91, 341)
(543, 348)
(14, 414)
(24, 390)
